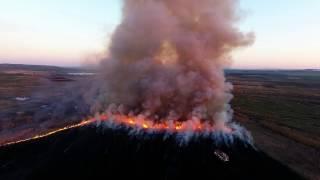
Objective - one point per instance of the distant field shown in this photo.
(280, 108)
(288, 100)
(13, 86)
(36, 68)
(40, 108)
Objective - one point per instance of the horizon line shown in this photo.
(229, 68)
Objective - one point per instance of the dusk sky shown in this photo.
(65, 33)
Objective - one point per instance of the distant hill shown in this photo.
(53, 69)
(278, 72)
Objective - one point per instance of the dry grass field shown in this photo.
(280, 108)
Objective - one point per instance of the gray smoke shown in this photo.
(167, 60)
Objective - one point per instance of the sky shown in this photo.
(66, 33)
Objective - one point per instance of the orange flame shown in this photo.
(162, 125)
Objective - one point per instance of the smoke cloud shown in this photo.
(167, 60)
(164, 72)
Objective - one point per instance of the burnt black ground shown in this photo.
(89, 153)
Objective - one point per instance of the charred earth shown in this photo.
(92, 153)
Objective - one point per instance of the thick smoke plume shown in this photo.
(165, 65)
(167, 58)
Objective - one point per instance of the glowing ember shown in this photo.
(131, 122)
(145, 126)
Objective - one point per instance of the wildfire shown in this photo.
(135, 122)
(193, 125)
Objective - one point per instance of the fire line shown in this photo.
(135, 122)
